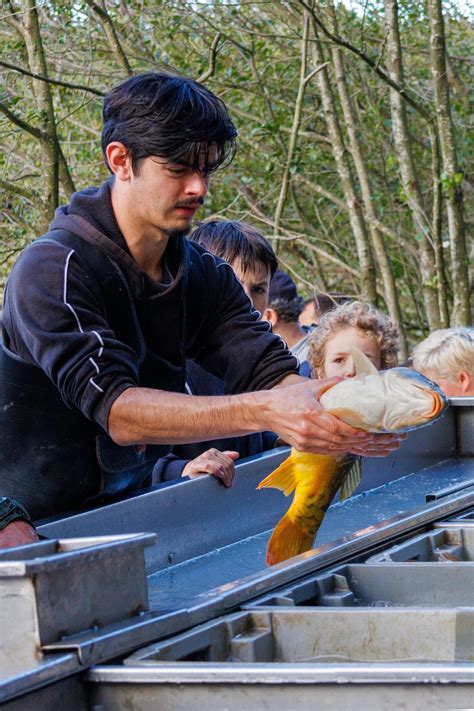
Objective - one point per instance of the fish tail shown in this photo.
(282, 478)
(288, 539)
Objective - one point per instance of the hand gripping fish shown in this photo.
(395, 400)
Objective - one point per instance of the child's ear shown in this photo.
(465, 381)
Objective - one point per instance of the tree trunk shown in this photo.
(34, 47)
(380, 251)
(367, 270)
(408, 172)
(452, 178)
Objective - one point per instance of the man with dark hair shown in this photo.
(283, 310)
(100, 313)
(318, 305)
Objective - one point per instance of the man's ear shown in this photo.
(119, 160)
(271, 316)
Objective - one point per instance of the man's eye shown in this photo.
(178, 171)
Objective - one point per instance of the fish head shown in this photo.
(411, 400)
(395, 400)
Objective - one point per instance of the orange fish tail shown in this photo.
(288, 539)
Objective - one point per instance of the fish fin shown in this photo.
(282, 478)
(363, 366)
(288, 539)
(352, 480)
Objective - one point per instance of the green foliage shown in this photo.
(257, 73)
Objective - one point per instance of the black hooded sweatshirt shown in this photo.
(82, 323)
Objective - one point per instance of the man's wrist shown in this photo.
(11, 510)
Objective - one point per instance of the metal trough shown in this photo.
(445, 543)
(53, 589)
(300, 658)
(210, 550)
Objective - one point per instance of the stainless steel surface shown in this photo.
(49, 669)
(68, 693)
(319, 635)
(212, 602)
(443, 585)
(452, 542)
(193, 517)
(448, 490)
(209, 557)
(197, 579)
(58, 588)
(463, 408)
(384, 687)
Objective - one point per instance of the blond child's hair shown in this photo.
(360, 315)
(446, 352)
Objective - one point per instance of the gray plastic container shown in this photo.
(322, 636)
(299, 658)
(441, 545)
(375, 585)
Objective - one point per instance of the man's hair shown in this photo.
(366, 318)
(166, 115)
(234, 241)
(288, 310)
(325, 302)
(446, 352)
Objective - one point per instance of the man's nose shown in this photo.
(197, 184)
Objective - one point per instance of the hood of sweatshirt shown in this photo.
(90, 215)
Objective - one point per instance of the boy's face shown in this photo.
(255, 282)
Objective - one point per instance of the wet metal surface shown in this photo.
(176, 586)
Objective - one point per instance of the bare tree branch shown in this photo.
(56, 82)
(212, 60)
(36, 132)
(112, 36)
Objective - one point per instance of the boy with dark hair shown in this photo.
(100, 313)
(254, 262)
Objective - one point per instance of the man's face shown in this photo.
(165, 196)
(256, 283)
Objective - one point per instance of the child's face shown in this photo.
(256, 283)
(338, 357)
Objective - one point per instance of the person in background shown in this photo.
(284, 308)
(315, 307)
(446, 356)
(309, 313)
(254, 262)
(352, 324)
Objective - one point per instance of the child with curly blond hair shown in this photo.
(352, 324)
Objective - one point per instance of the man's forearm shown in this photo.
(147, 416)
(291, 379)
(293, 411)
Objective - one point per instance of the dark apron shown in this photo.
(52, 458)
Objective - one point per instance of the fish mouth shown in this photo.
(438, 405)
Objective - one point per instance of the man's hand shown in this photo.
(17, 533)
(214, 462)
(381, 446)
(300, 420)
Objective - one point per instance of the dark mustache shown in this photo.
(190, 201)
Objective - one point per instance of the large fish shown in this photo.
(395, 400)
